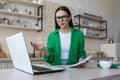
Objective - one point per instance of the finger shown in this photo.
(80, 59)
(35, 45)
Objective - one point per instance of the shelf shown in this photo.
(85, 26)
(17, 27)
(23, 2)
(91, 25)
(38, 18)
(94, 37)
(18, 14)
(90, 17)
(102, 58)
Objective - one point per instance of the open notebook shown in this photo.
(20, 58)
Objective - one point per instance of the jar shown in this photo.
(38, 53)
(110, 39)
(5, 21)
(40, 1)
(34, 1)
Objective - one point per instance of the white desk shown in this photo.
(87, 73)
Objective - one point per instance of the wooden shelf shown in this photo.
(102, 58)
(18, 27)
(23, 2)
(90, 27)
(94, 37)
(19, 14)
(90, 17)
(38, 19)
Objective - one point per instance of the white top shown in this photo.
(65, 45)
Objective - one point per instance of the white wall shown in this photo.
(109, 8)
(97, 7)
(115, 28)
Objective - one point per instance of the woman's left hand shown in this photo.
(82, 65)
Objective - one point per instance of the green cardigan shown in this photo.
(54, 47)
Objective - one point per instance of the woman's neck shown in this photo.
(65, 30)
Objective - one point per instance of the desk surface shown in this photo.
(87, 73)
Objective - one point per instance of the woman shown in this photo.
(65, 45)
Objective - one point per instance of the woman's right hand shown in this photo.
(38, 46)
(34, 45)
(41, 47)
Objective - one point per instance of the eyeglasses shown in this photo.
(62, 18)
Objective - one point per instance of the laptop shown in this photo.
(20, 58)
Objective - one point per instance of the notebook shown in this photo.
(20, 57)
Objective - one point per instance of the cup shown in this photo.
(105, 64)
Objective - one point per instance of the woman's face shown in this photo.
(62, 19)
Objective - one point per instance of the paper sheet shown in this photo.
(81, 62)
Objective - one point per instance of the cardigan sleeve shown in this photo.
(50, 49)
(82, 52)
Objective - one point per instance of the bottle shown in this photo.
(33, 53)
(33, 49)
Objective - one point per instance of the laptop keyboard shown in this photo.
(39, 68)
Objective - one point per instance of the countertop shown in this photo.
(91, 72)
(9, 59)
(41, 59)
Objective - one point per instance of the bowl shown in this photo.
(105, 64)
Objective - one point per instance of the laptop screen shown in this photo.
(19, 54)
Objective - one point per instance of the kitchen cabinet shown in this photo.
(21, 14)
(6, 63)
(111, 50)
